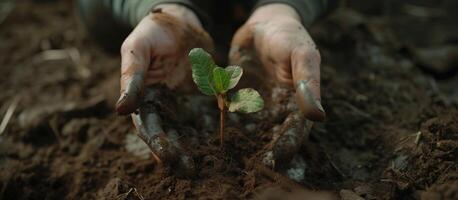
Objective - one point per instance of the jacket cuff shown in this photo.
(203, 17)
(308, 10)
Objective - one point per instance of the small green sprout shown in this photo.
(217, 81)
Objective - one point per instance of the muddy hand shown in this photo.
(163, 143)
(156, 52)
(275, 35)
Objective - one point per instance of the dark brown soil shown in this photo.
(391, 130)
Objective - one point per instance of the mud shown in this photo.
(391, 130)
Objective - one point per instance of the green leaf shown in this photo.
(235, 73)
(220, 79)
(202, 70)
(246, 100)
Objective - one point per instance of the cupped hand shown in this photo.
(274, 35)
(156, 52)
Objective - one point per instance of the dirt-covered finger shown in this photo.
(162, 141)
(157, 73)
(163, 144)
(283, 73)
(295, 129)
(305, 67)
(134, 61)
(149, 129)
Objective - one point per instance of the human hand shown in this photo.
(275, 35)
(156, 53)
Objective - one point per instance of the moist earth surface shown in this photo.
(389, 91)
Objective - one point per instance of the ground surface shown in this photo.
(391, 130)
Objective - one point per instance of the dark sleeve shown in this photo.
(309, 10)
(110, 21)
(130, 12)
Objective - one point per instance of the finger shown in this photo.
(156, 74)
(149, 128)
(148, 124)
(163, 143)
(241, 43)
(283, 74)
(305, 66)
(135, 58)
(294, 130)
(154, 77)
(152, 81)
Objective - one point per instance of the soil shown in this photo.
(391, 130)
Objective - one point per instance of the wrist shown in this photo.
(274, 11)
(181, 12)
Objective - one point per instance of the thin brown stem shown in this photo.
(222, 109)
(221, 125)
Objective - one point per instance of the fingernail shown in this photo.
(122, 106)
(122, 98)
(308, 103)
(303, 85)
(319, 106)
(127, 102)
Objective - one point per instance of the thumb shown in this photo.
(305, 66)
(134, 63)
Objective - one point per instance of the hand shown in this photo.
(275, 35)
(156, 53)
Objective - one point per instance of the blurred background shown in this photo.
(389, 85)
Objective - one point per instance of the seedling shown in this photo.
(217, 81)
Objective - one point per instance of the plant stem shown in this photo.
(221, 124)
(221, 106)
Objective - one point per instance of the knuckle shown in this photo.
(284, 80)
(130, 44)
(309, 53)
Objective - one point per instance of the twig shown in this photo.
(355, 110)
(417, 138)
(138, 194)
(124, 195)
(54, 54)
(405, 139)
(334, 165)
(61, 54)
(75, 56)
(9, 114)
(131, 190)
(53, 124)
